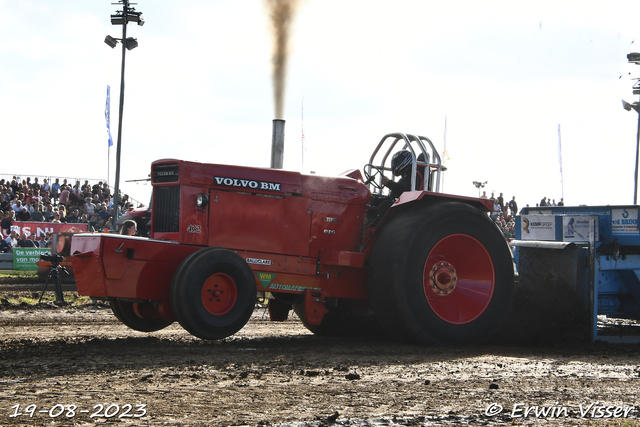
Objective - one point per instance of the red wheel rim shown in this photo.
(458, 279)
(219, 294)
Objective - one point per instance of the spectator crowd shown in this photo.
(504, 213)
(26, 200)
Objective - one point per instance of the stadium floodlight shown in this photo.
(111, 41)
(131, 43)
(634, 57)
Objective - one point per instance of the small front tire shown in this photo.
(213, 293)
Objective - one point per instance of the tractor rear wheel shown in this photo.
(441, 274)
(213, 293)
(126, 313)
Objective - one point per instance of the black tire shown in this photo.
(441, 274)
(350, 319)
(213, 293)
(125, 313)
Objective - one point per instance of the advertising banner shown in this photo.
(624, 221)
(40, 228)
(538, 227)
(26, 258)
(575, 228)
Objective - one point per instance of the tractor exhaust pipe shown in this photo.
(277, 144)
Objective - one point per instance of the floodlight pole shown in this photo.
(635, 185)
(116, 190)
(634, 58)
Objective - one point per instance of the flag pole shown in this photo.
(560, 160)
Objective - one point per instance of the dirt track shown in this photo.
(278, 373)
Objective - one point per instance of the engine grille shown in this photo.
(166, 211)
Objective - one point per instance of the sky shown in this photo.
(505, 76)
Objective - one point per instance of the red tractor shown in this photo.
(340, 251)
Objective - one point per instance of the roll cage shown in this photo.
(420, 146)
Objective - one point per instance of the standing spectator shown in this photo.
(496, 210)
(543, 202)
(500, 200)
(561, 202)
(64, 195)
(513, 206)
(55, 191)
(46, 186)
(484, 195)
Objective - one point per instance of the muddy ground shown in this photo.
(79, 366)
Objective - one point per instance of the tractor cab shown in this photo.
(425, 170)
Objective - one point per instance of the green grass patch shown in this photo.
(15, 274)
(30, 298)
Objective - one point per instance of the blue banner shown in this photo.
(107, 114)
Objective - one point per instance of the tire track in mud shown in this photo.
(280, 374)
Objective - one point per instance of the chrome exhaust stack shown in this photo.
(277, 144)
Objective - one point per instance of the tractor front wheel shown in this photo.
(213, 293)
(441, 274)
(127, 313)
